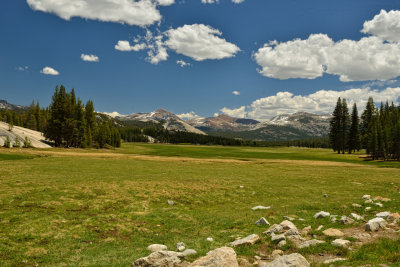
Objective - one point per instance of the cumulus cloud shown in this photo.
(236, 113)
(89, 58)
(188, 116)
(182, 63)
(49, 71)
(385, 25)
(209, 1)
(126, 46)
(237, 1)
(320, 102)
(140, 13)
(236, 92)
(165, 2)
(370, 58)
(199, 42)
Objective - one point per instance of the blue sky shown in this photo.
(298, 72)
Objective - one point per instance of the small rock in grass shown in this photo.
(375, 224)
(394, 216)
(288, 218)
(333, 232)
(306, 230)
(369, 201)
(346, 220)
(262, 221)
(385, 199)
(277, 238)
(275, 228)
(157, 247)
(340, 243)
(159, 258)
(310, 243)
(260, 208)
(281, 243)
(333, 218)
(249, 240)
(291, 260)
(356, 217)
(378, 204)
(241, 186)
(334, 260)
(367, 208)
(287, 225)
(356, 205)
(320, 227)
(180, 246)
(210, 239)
(384, 215)
(321, 214)
(189, 252)
(223, 257)
(325, 195)
(276, 253)
(366, 197)
(170, 202)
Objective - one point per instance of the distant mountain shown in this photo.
(169, 120)
(5, 105)
(223, 123)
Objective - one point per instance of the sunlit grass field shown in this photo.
(71, 207)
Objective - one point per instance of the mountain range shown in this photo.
(299, 125)
(282, 127)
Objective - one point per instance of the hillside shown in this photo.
(36, 138)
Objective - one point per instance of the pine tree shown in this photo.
(354, 135)
(335, 126)
(345, 126)
(7, 142)
(366, 119)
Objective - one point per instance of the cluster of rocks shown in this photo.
(279, 235)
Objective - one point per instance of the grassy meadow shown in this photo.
(71, 207)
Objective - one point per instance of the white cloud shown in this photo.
(236, 113)
(370, 58)
(140, 13)
(182, 63)
(188, 116)
(89, 58)
(199, 42)
(385, 25)
(294, 59)
(320, 102)
(49, 71)
(237, 1)
(125, 46)
(165, 2)
(209, 1)
(236, 92)
(20, 68)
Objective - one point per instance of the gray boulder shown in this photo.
(157, 247)
(375, 224)
(188, 252)
(260, 208)
(275, 228)
(262, 221)
(220, 257)
(383, 215)
(292, 260)
(277, 238)
(160, 259)
(321, 214)
(340, 243)
(249, 240)
(346, 220)
(310, 243)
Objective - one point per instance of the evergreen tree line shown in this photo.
(34, 117)
(377, 130)
(137, 134)
(67, 122)
(72, 124)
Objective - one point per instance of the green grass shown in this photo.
(89, 210)
(13, 157)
